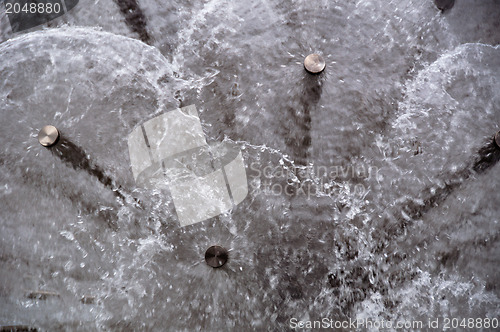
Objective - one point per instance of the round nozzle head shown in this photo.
(216, 256)
(444, 4)
(48, 136)
(314, 63)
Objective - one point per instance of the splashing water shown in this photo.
(362, 202)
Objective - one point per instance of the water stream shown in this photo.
(373, 187)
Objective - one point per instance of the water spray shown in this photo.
(73, 155)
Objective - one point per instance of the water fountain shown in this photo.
(372, 187)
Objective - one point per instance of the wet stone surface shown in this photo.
(372, 188)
